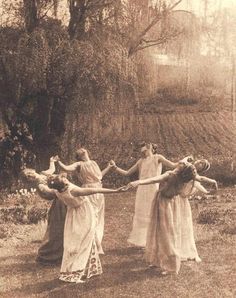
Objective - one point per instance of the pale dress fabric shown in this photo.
(80, 258)
(148, 167)
(164, 233)
(90, 175)
(188, 250)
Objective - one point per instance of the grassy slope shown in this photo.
(210, 135)
(124, 267)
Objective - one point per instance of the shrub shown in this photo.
(35, 214)
(4, 232)
(217, 216)
(209, 216)
(230, 230)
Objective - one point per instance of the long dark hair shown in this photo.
(154, 148)
(186, 172)
(56, 182)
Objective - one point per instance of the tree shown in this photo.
(157, 14)
(44, 73)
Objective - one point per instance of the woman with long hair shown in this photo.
(51, 249)
(81, 252)
(162, 249)
(187, 246)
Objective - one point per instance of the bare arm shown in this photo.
(79, 191)
(130, 171)
(198, 187)
(46, 193)
(207, 180)
(51, 169)
(166, 162)
(153, 180)
(69, 168)
(107, 169)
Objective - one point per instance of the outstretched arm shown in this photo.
(153, 180)
(166, 162)
(207, 180)
(69, 168)
(129, 172)
(79, 191)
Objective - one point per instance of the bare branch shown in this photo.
(160, 15)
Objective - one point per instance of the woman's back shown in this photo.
(89, 172)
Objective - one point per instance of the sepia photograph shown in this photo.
(117, 148)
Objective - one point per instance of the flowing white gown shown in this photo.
(80, 258)
(188, 250)
(170, 234)
(90, 175)
(148, 167)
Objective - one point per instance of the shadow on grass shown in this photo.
(31, 256)
(114, 275)
(26, 266)
(125, 251)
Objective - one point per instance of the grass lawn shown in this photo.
(125, 272)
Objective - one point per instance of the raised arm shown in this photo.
(107, 169)
(166, 162)
(79, 191)
(69, 168)
(45, 192)
(51, 168)
(128, 172)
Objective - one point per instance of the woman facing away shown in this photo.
(149, 165)
(51, 250)
(163, 248)
(81, 257)
(90, 175)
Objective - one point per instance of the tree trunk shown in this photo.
(31, 15)
(76, 27)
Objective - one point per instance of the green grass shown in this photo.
(125, 273)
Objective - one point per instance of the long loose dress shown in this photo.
(51, 249)
(90, 175)
(164, 233)
(80, 257)
(188, 250)
(148, 167)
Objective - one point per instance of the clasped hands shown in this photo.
(129, 186)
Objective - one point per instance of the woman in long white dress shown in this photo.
(164, 231)
(149, 165)
(89, 175)
(81, 257)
